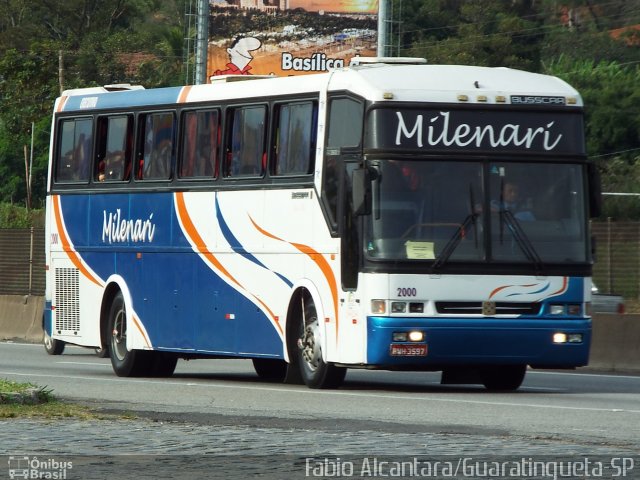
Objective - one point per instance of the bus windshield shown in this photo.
(456, 211)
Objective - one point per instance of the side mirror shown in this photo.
(595, 190)
(361, 191)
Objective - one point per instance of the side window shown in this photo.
(200, 141)
(115, 138)
(296, 139)
(75, 144)
(245, 154)
(157, 146)
(345, 123)
(344, 131)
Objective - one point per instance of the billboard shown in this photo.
(289, 37)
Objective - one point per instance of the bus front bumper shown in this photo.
(543, 343)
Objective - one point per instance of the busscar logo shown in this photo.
(537, 100)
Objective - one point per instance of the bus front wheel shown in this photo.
(316, 373)
(126, 363)
(270, 369)
(506, 378)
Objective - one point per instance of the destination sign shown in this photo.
(476, 130)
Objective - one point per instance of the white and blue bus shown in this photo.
(385, 215)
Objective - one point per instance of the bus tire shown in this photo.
(126, 363)
(162, 364)
(316, 373)
(53, 346)
(270, 369)
(101, 352)
(505, 378)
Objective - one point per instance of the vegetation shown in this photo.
(29, 400)
(588, 43)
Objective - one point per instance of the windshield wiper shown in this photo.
(521, 239)
(454, 241)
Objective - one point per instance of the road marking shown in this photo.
(87, 363)
(305, 391)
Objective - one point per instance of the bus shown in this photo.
(390, 214)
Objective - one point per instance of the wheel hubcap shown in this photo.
(310, 346)
(119, 336)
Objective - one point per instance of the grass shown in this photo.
(20, 400)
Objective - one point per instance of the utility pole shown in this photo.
(61, 71)
(383, 28)
(202, 41)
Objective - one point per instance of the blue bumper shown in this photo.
(488, 341)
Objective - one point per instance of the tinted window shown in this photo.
(245, 147)
(200, 144)
(74, 150)
(157, 146)
(295, 143)
(345, 123)
(114, 148)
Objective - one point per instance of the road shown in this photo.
(374, 413)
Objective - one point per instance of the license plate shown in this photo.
(408, 350)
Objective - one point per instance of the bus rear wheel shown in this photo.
(316, 373)
(505, 378)
(126, 363)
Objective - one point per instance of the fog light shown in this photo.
(399, 336)
(398, 307)
(559, 337)
(556, 309)
(378, 306)
(416, 336)
(574, 338)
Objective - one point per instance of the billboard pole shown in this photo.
(202, 41)
(383, 21)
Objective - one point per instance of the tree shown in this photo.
(478, 32)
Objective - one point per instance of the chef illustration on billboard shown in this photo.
(240, 56)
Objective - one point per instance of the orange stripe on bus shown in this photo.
(318, 259)
(507, 286)
(136, 322)
(563, 288)
(66, 244)
(61, 103)
(201, 247)
(184, 93)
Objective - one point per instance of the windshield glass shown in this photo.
(437, 211)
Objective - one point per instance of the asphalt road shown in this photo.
(587, 408)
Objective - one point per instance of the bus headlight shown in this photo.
(556, 309)
(378, 306)
(398, 307)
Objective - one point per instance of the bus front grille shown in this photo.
(496, 308)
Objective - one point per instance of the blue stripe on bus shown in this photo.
(237, 246)
(124, 99)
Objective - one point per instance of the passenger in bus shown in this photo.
(158, 163)
(112, 167)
